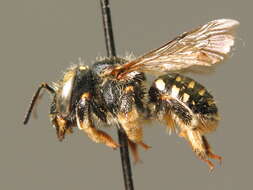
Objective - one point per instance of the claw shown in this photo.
(210, 165)
(145, 146)
(215, 157)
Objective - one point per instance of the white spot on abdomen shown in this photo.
(175, 91)
(160, 84)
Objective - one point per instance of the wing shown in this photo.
(203, 46)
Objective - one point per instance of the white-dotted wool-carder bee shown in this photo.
(113, 91)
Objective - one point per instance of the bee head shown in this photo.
(66, 94)
(68, 91)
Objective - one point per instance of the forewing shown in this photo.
(204, 46)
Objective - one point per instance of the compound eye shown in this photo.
(65, 94)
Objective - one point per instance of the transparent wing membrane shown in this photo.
(203, 46)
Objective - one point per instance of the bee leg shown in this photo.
(134, 150)
(84, 123)
(209, 151)
(129, 117)
(200, 146)
(133, 129)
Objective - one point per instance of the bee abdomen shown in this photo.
(183, 96)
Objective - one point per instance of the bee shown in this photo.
(113, 91)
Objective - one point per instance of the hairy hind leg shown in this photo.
(200, 146)
(209, 151)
